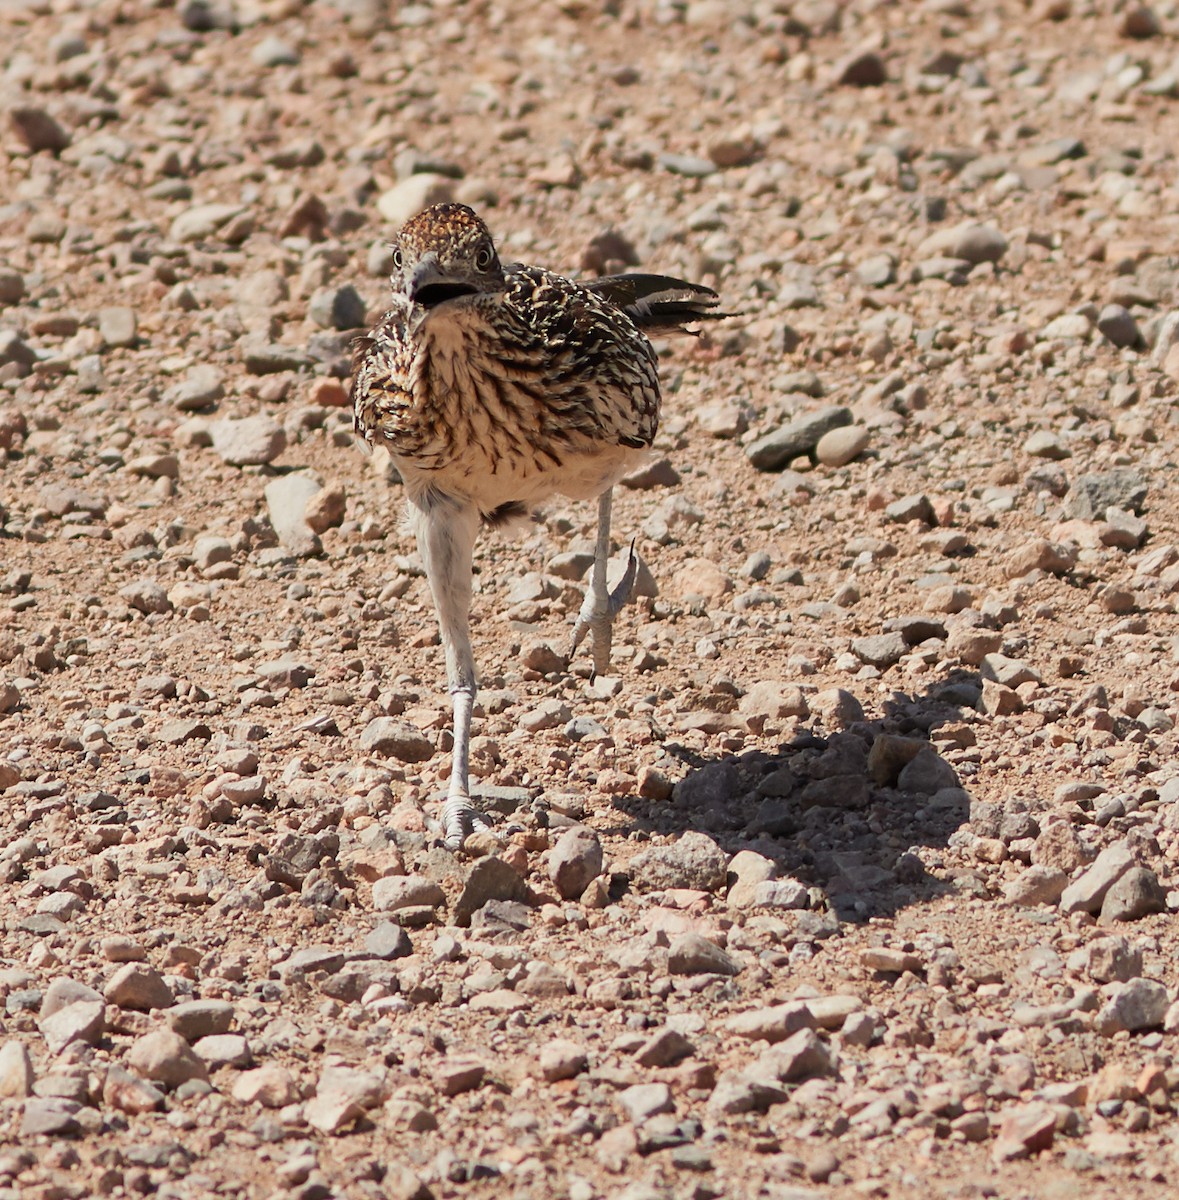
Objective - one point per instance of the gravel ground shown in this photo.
(859, 877)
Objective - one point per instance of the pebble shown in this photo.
(272, 1086)
(80, 1021)
(118, 326)
(139, 986)
(412, 194)
(38, 129)
(250, 441)
(1038, 884)
(779, 447)
(838, 447)
(489, 879)
(693, 954)
(1087, 892)
(195, 1019)
(693, 861)
(1136, 894)
(217, 1050)
(201, 388)
(916, 507)
(773, 1024)
(165, 1057)
(392, 892)
(274, 52)
(562, 1059)
(392, 737)
(1091, 494)
(860, 68)
(575, 861)
(16, 1070)
(1136, 1005)
(1024, 1130)
(1056, 558)
(287, 500)
(1117, 324)
(202, 222)
(129, 1094)
(969, 242)
(882, 650)
(642, 1101)
(338, 308)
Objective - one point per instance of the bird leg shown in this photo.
(446, 531)
(601, 605)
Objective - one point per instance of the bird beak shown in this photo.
(428, 271)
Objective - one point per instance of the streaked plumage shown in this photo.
(495, 388)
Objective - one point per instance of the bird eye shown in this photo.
(398, 260)
(484, 257)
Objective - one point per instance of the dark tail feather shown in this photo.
(658, 303)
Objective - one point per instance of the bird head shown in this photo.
(443, 253)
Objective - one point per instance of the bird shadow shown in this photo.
(856, 816)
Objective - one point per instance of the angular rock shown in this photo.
(165, 1057)
(490, 879)
(195, 1019)
(136, 985)
(250, 441)
(1087, 891)
(1133, 1006)
(693, 954)
(392, 737)
(575, 861)
(693, 860)
(1136, 894)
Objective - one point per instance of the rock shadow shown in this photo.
(855, 813)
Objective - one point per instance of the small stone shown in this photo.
(1037, 884)
(165, 1057)
(392, 737)
(408, 197)
(38, 129)
(16, 1070)
(801, 1056)
(80, 1021)
(218, 1050)
(693, 954)
(392, 892)
(916, 507)
(889, 961)
(1133, 1006)
(203, 386)
(129, 1094)
(50, 1116)
(642, 1101)
(562, 1059)
(1040, 555)
(117, 326)
(136, 985)
(1136, 894)
(458, 1075)
(146, 596)
(202, 222)
(1045, 444)
(969, 242)
(1109, 960)
(195, 1019)
(250, 441)
(860, 68)
(1091, 495)
(775, 699)
(838, 447)
(773, 1024)
(693, 860)
(663, 1048)
(1087, 892)
(1118, 326)
(1025, 1129)
(338, 308)
(327, 508)
(287, 500)
(490, 878)
(575, 861)
(774, 450)
(274, 52)
(882, 650)
(271, 1086)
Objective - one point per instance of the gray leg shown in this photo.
(601, 605)
(446, 531)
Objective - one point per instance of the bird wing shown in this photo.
(658, 303)
(595, 369)
(381, 387)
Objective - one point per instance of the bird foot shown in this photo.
(460, 818)
(599, 621)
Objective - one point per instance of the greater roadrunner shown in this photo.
(494, 388)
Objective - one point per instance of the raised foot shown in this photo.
(460, 818)
(598, 618)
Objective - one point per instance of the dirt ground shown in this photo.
(858, 876)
